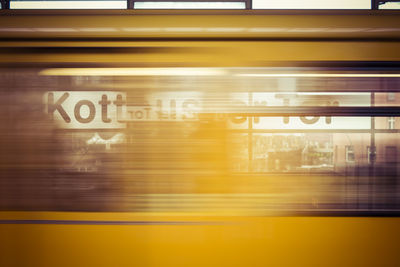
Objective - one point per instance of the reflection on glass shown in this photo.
(156, 144)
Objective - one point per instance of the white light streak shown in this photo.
(132, 72)
(321, 75)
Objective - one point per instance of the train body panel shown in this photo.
(199, 138)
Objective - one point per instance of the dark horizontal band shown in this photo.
(307, 111)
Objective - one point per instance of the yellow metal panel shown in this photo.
(230, 241)
(200, 24)
(238, 53)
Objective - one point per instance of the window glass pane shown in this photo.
(311, 4)
(189, 5)
(390, 5)
(157, 139)
(49, 4)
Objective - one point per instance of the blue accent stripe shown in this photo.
(89, 222)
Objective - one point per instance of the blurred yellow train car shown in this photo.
(199, 138)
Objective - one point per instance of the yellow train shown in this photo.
(199, 138)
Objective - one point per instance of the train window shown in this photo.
(50, 4)
(188, 5)
(311, 4)
(234, 4)
(266, 140)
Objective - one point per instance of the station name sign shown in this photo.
(110, 110)
(86, 109)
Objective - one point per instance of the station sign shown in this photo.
(108, 109)
(303, 100)
(86, 109)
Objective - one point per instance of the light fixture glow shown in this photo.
(132, 72)
(321, 75)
